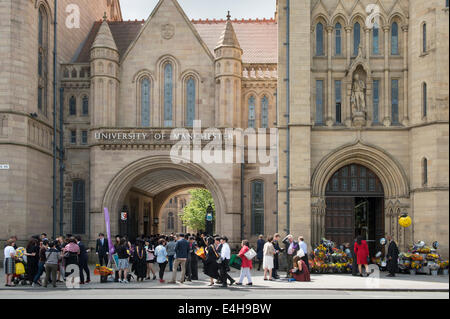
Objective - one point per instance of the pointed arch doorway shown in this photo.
(354, 198)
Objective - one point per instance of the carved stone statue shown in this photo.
(358, 98)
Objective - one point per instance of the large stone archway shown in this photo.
(184, 174)
(383, 165)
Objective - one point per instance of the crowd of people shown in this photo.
(137, 259)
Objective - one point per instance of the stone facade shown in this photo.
(394, 150)
(147, 77)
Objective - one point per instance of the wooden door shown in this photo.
(340, 219)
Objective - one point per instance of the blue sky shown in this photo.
(195, 9)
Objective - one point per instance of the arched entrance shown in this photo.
(155, 179)
(354, 199)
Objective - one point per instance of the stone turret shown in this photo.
(228, 66)
(104, 81)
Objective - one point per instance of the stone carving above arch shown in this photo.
(389, 171)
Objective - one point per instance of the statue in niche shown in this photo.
(358, 97)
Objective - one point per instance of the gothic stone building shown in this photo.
(362, 114)
(367, 119)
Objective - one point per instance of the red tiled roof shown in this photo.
(258, 38)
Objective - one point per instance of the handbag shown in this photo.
(250, 254)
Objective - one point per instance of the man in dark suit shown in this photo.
(278, 250)
(83, 262)
(392, 257)
(102, 249)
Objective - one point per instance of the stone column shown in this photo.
(386, 107)
(367, 32)
(348, 31)
(330, 119)
(405, 75)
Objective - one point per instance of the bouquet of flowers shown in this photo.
(443, 264)
(415, 265)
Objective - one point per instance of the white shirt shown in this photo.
(304, 247)
(225, 253)
(8, 251)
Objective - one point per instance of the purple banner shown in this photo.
(108, 232)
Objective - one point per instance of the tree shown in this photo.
(194, 214)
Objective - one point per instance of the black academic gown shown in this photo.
(392, 258)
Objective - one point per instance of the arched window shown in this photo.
(376, 100)
(78, 207)
(42, 59)
(251, 112)
(72, 105)
(424, 172)
(145, 102)
(424, 99)
(394, 39)
(319, 102)
(424, 38)
(338, 39)
(319, 39)
(168, 94)
(394, 98)
(257, 207)
(265, 112)
(85, 105)
(376, 39)
(190, 101)
(74, 73)
(170, 221)
(338, 101)
(356, 37)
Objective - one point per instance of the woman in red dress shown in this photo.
(362, 255)
(300, 271)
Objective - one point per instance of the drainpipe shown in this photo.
(287, 115)
(61, 161)
(242, 202)
(276, 183)
(54, 118)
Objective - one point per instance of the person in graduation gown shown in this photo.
(211, 266)
(392, 257)
(140, 260)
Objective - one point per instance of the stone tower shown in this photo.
(104, 82)
(228, 64)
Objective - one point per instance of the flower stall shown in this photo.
(327, 259)
(422, 259)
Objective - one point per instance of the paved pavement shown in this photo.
(326, 285)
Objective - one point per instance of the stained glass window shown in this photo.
(85, 105)
(190, 106)
(338, 102)
(251, 112)
(73, 105)
(376, 100)
(356, 37)
(78, 207)
(168, 95)
(394, 39)
(394, 98)
(338, 35)
(145, 102)
(376, 39)
(319, 39)
(319, 102)
(257, 188)
(265, 112)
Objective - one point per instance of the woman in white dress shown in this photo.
(269, 252)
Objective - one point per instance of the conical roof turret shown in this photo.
(104, 38)
(228, 37)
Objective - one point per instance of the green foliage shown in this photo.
(195, 212)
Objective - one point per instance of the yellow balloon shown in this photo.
(405, 221)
